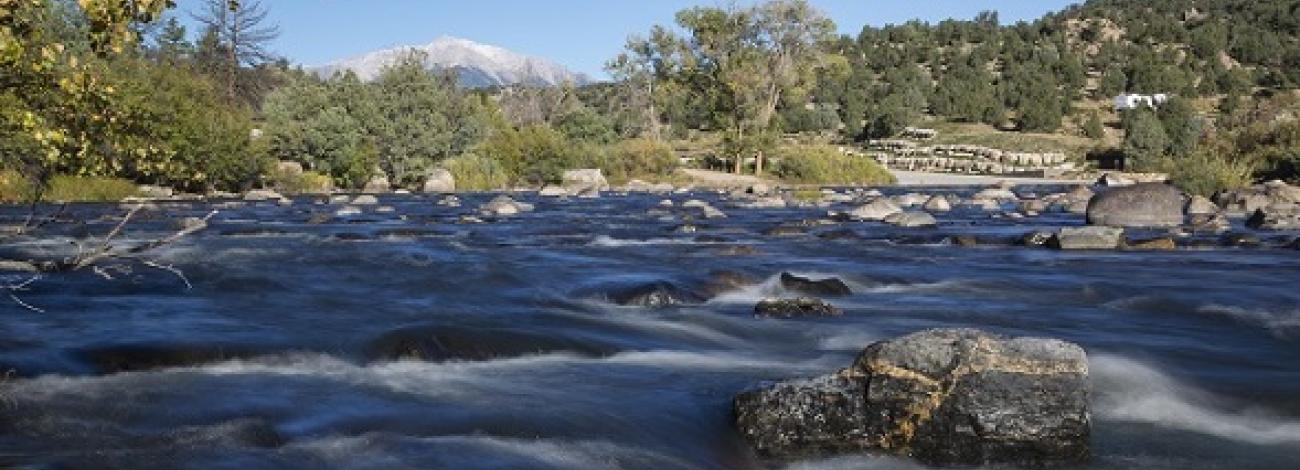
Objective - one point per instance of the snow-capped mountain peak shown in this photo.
(478, 65)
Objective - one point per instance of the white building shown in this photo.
(1132, 101)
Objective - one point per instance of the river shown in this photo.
(407, 340)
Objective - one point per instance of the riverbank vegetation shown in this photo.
(107, 89)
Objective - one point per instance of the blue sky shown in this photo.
(581, 34)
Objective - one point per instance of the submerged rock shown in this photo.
(1088, 238)
(463, 343)
(1153, 244)
(112, 359)
(1140, 205)
(945, 397)
(830, 287)
(797, 307)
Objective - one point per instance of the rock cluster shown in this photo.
(946, 397)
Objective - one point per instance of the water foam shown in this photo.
(1284, 324)
(1130, 391)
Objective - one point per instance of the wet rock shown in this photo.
(1112, 180)
(1152, 244)
(1213, 223)
(112, 359)
(1242, 201)
(1294, 245)
(914, 220)
(786, 231)
(996, 194)
(1140, 205)
(1275, 218)
(796, 307)
(759, 189)
(944, 397)
(1239, 240)
(839, 234)
(654, 295)
(1088, 238)
(876, 210)
(711, 212)
(739, 250)
(937, 204)
(987, 205)
(829, 287)
(347, 211)
(191, 224)
(1200, 205)
(245, 432)
(257, 195)
(365, 200)
(1280, 192)
(155, 192)
(1034, 206)
(465, 343)
(503, 205)
(727, 280)
(553, 191)
(770, 202)
(439, 181)
(964, 240)
(1036, 239)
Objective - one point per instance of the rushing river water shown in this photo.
(405, 340)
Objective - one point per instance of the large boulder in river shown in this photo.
(945, 397)
(440, 181)
(1140, 205)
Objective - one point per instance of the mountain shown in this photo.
(476, 65)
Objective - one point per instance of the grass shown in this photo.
(951, 133)
(67, 188)
(824, 164)
(13, 187)
(477, 173)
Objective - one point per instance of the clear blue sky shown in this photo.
(581, 34)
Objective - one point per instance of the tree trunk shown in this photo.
(758, 163)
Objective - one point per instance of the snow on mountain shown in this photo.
(477, 65)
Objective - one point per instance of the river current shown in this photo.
(404, 339)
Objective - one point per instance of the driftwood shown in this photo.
(104, 252)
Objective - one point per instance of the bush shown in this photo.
(639, 158)
(66, 188)
(307, 182)
(823, 164)
(1206, 172)
(476, 173)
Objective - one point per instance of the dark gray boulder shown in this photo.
(1140, 205)
(945, 397)
(830, 287)
(1275, 218)
(797, 307)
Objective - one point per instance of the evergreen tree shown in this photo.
(1145, 140)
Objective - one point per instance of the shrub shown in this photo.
(476, 173)
(67, 188)
(1206, 172)
(307, 182)
(823, 164)
(639, 158)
